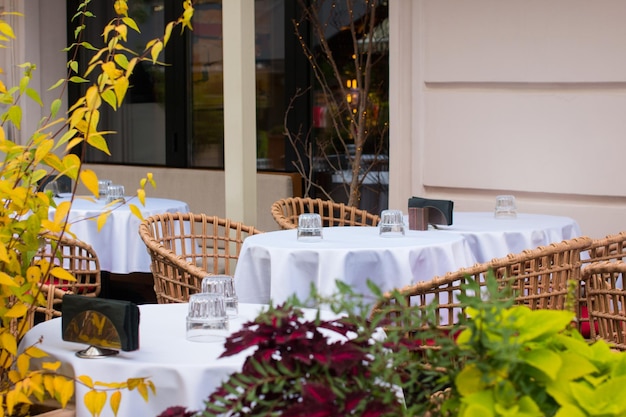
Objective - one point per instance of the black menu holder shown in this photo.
(107, 326)
(425, 211)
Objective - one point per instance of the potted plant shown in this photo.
(499, 360)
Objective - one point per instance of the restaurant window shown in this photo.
(173, 115)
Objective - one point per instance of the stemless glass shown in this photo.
(103, 188)
(391, 223)
(223, 285)
(505, 207)
(207, 320)
(53, 187)
(115, 192)
(310, 227)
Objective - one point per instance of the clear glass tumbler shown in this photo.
(207, 320)
(223, 285)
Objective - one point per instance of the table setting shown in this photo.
(117, 244)
(404, 249)
(178, 349)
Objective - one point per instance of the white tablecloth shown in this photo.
(490, 238)
(184, 372)
(118, 245)
(275, 265)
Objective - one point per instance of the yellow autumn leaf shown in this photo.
(121, 8)
(86, 380)
(35, 352)
(95, 401)
(9, 342)
(10, 402)
(102, 219)
(61, 273)
(93, 98)
(6, 279)
(120, 87)
(155, 51)
(18, 310)
(48, 383)
(33, 274)
(43, 149)
(90, 180)
(135, 210)
(116, 399)
(23, 363)
(60, 215)
(3, 254)
(51, 366)
(143, 391)
(97, 141)
(7, 30)
(67, 392)
(141, 195)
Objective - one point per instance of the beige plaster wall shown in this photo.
(527, 98)
(202, 189)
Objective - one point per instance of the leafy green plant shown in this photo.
(499, 360)
(51, 151)
(526, 362)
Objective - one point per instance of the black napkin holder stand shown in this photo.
(107, 326)
(424, 212)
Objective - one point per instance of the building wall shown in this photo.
(489, 97)
(526, 98)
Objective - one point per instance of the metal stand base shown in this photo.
(93, 352)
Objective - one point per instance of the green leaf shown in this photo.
(14, 114)
(131, 23)
(534, 324)
(34, 95)
(544, 360)
(77, 79)
(109, 97)
(55, 106)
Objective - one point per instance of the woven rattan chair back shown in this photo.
(606, 298)
(539, 278)
(74, 256)
(186, 247)
(286, 211)
(611, 247)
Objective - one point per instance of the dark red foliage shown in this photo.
(322, 366)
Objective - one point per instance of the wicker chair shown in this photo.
(186, 247)
(76, 257)
(539, 278)
(606, 297)
(287, 210)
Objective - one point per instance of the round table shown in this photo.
(118, 245)
(275, 265)
(183, 372)
(490, 237)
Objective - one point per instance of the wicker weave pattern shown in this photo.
(186, 247)
(287, 210)
(80, 260)
(604, 281)
(612, 247)
(539, 278)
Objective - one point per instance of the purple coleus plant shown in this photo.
(317, 368)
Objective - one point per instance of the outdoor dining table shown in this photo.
(275, 265)
(118, 245)
(183, 372)
(490, 237)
